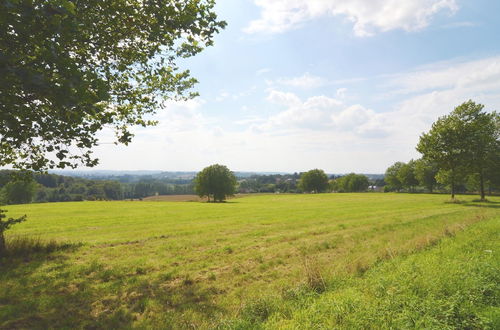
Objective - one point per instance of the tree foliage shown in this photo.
(406, 176)
(313, 181)
(18, 192)
(216, 182)
(425, 173)
(351, 183)
(462, 143)
(70, 68)
(392, 178)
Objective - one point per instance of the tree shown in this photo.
(425, 172)
(215, 181)
(482, 131)
(313, 181)
(461, 143)
(113, 190)
(70, 68)
(444, 145)
(351, 183)
(406, 176)
(19, 192)
(391, 176)
(492, 172)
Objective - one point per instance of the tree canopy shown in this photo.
(70, 68)
(313, 181)
(18, 192)
(392, 177)
(425, 173)
(462, 143)
(216, 182)
(406, 175)
(351, 183)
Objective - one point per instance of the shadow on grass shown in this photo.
(483, 203)
(43, 285)
(25, 249)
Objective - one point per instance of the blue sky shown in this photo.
(341, 85)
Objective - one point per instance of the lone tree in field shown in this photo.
(313, 181)
(70, 68)
(216, 182)
(462, 143)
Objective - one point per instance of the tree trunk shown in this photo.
(2, 244)
(481, 185)
(453, 188)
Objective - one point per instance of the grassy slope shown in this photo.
(189, 264)
(454, 285)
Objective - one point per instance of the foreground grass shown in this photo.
(150, 264)
(453, 285)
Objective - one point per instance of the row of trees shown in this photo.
(217, 182)
(412, 175)
(317, 181)
(460, 152)
(350, 183)
(43, 187)
(283, 183)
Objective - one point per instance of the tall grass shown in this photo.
(452, 285)
(24, 246)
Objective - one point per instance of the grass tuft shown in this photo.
(313, 278)
(259, 310)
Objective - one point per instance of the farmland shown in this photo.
(268, 260)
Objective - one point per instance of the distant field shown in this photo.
(178, 264)
(183, 198)
(174, 198)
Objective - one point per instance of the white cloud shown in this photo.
(306, 81)
(341, 92)
(222, 96)
(476, 75)
(225, 95)
(321, 113)
(283, 98)
(318, 131)
(368, 16)
(262, 71)
(435, 90)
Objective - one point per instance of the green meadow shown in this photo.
(365, 260)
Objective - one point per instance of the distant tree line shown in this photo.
(283, 183)
(45, 187)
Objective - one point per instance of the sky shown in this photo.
(340, 85)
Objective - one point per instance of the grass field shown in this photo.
(290, 261)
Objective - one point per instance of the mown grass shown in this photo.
(181, 265)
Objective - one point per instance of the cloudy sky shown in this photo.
(341, 85)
